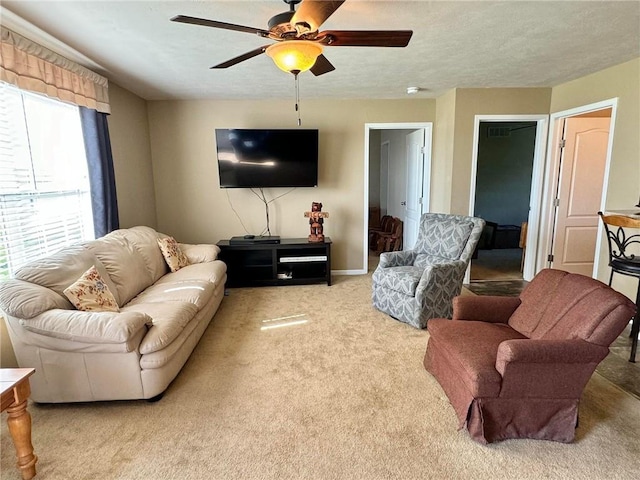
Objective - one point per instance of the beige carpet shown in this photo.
(340, 393)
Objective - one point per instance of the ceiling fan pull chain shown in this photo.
(297, 84)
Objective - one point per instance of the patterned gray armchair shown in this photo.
(415, 285)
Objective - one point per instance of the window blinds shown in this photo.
(45, 200)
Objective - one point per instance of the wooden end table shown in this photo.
(15, 394)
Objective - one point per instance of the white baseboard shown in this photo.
(349, 272)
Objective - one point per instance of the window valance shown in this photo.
(32, 67)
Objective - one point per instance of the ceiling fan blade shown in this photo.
(322, 66)
(365, 38)
(315, 12)
(241, 58)
(213, 23)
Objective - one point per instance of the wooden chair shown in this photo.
(391, 241)
(624, 244)
(523, 242)
(385, 227)
(374, 217)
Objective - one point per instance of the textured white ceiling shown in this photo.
(455, 44)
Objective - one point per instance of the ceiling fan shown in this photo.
(299, 43)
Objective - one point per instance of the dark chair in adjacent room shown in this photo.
(374, 218)
(516, 367)
(391, 241)
(624, 259)
(415, 285)
(384, 227)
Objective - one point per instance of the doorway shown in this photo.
(397, 176)
(506, 188)
(575, 188)
(502, 197)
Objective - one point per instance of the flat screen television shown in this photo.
(260, 158)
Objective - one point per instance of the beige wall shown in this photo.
(129, 133)
(621, 82)
(485, 101)
(192, 207)
(442, 158)
(7, 357)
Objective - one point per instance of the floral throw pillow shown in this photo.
(90, 294)
(172, 254)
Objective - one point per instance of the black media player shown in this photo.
(254, 240)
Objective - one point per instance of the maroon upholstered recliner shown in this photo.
(516, 367)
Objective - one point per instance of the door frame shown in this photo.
(426, 173)
(537, 179)
(551, 177)
(385, 148)
(422, 204)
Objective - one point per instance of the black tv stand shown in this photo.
(291, 261)
(246, 240)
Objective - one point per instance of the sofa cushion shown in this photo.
(144, 240)
(168, 321)
(88, 327)
(172, 253)
(196, 292)
(200, 253)
(214, 272)
(91, 294)
(471, 348)
(124, 264)
(59, 270)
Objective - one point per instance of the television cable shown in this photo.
(266, 202)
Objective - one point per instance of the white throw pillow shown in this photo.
(91, 294)
(172, 254)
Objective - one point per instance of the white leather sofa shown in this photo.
(131, 354)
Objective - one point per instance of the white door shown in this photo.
(582, 170)
(415, 148)
(384, 178)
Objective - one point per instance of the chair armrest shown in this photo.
(441, 281)
(201, 253)
(486, 308)
(397, 259)
(547, 368)
(548, 351)
(88, 327)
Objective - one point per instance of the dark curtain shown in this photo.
(101, 176)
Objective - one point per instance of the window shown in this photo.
(45, 201)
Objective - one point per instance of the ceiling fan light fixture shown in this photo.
(294, 56)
